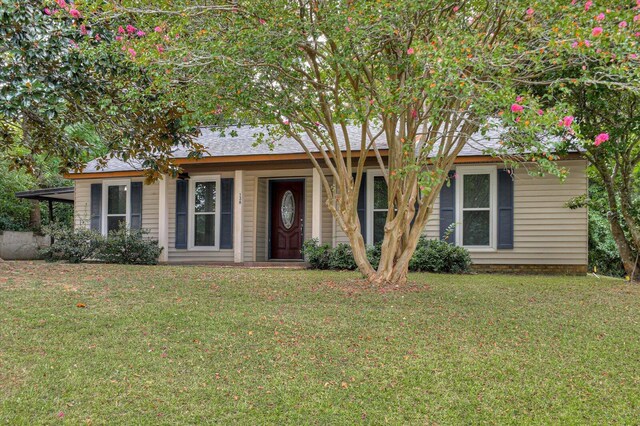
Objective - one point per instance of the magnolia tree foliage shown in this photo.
(425, 75)
(65, 94)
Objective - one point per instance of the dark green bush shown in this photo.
(373, 254)
(430, 256)
(603, 252)
(315, 254)
(71, 245)
(129, 246)
(439, 256)
(341, 258)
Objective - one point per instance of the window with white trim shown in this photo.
(379, 209)
(115, 205)
(476, 198)
(376, 208)
(204, 206)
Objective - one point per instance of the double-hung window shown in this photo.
(476, 200)
(377, 207)
(204, 223)
(115, 202)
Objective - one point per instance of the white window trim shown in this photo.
(105, 199)
(493, 204)
(371, 174)
(191, 219)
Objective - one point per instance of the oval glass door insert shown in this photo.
(288, 209)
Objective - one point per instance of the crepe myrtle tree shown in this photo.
(65, 94)
(608, 134)
(605, 126)
(422, 75)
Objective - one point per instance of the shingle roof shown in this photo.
(243, 143)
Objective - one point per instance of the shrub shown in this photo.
(341, 258)
(71, 245)
(439, 256)
(430, 256)
(317, 255)
(603, 252)
(129, 246)
(373, 254)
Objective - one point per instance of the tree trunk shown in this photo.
(625, 249)
(35, 219)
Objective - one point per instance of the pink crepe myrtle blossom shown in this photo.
(588, 5)
(633, 56)
(636, 18)
(530, 11)
(262, 21)
(47, 11)
(518, 119)
(602, 137)
(132, 52)
(600, 17)
(456, 8)
(118, 38)
(567, 121)
(540, 112)
(623, 24)
(286, 122)
(587, 43)
(596, 31)
(160, 48)
(83, 29)
(410, 51)
(131, 29)
(61, 3)
(120, 30)
(158, 29)
(347, 29)
(516, 108)
(75, 13)
(97, 37)
(519, 99)
(141, 33)
(574, 45)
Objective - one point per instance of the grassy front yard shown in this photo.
(200, 344)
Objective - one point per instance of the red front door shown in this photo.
(286, 219)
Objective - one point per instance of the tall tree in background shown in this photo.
(65, 94)
(425, 75)
(610, 120)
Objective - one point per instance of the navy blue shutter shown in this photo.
(96, 207)
(505, 210)
(135, 220)
(226, 213)
(448, 207)
(182, 203)
(362, 205)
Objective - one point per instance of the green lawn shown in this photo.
(174, 345)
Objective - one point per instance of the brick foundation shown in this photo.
(531, 269)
